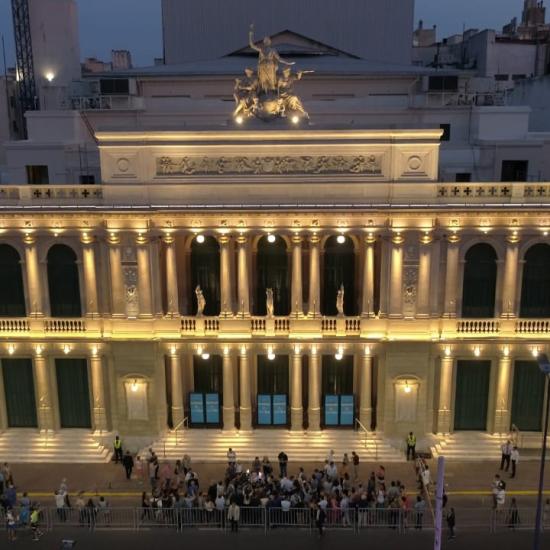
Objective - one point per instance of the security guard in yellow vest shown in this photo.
(411, 446)
(118, 449)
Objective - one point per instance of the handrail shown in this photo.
(365, 431)
(184, 423)
(515, 436)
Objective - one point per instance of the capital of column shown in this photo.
(296, 239)
(113, 238)
(86, 238)
(314, 239)
(513, 238)
(224, 240)
(168, 239)
(426, 238)
(29, 239)
(397, 238)
(142, 239)
(453, 238)
(370, 239)
(242, 240)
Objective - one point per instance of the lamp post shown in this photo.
(544, 366)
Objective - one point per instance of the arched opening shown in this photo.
(480, 281)
(12, 294)
(338, 269)
(205, 272)
(535, 288)
(272, 272)
(63, 282)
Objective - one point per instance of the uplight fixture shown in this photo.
(200, 238)
(295, 119)
(49, 76)
(341, 239)
(66, 349)
(270, 354)
(339, 355)
(271, 238)
(239, 119)
(205, 355)
(407, 388)
(535, 351)
(11, 349)
(134, 386)
(477, 351)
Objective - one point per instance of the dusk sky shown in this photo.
(136, 24)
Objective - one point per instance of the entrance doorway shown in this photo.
(73, 393)
(273, 389)
(472, 395)
(528, 396)
(337, 388)
(205, 401)
(19, 396)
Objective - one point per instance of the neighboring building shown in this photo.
(121, 60)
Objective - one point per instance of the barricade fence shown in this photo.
(354, 519)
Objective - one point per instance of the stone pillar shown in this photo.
(502, 399)
(365, 397)
(245, 398)
(451, 276)
(90, 278)
(178, 413)
(314, 306)
(226, 282)
(243, 289)
(46, 417)
(228, 395)
(98, 392)
(296, 295)
(36, 303)
(368, 277)
(144, 278)
(314, 390)
(172, 293)
(118, 298)
(509, 284)
(396, 277)
(296, 403)
(424, 279)
(444, 414)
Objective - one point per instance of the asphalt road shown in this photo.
(275, 540)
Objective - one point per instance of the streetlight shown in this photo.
(544, 366)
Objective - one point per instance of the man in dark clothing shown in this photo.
(283, 463)
(451, 520)
(128, 463)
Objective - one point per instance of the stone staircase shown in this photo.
(65, 446)
(481, 446)
(211, 445)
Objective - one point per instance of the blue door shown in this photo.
(272, 410)
(205, 409)
(339, 410)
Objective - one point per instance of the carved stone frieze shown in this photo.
(253, 165)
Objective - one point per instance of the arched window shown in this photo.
(12, 295)
(338, 269)
(205, 272)
(535, 288)
(63, 282)
(480, 281)
(272, 272)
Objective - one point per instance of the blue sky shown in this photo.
(136, 24)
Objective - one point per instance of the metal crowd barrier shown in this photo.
(356, 520)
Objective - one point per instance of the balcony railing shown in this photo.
(107, 103)
(478, 326)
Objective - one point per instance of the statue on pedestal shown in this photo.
(245, 93)
(340, 301)
(269, 302)
(201, 302)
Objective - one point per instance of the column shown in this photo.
(444, 413)
(243, 290)
(502, 400)
(228, 395)
(368, 277)
(314, 390)
(365, 397)
(314, 306)
(296, 403)
(245, 401)
(226, 283)
(509, 283)
(46, 419)
(176, 384)
(90, 278)
(144, 277)
(451, 276)
(296, 295)
(33, 277)
(171, 276)
(424, 279)
(118, 300)
(98, 391)
(396, 277)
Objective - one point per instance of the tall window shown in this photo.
(37, 174)
(63, 282)
(272, 272)
(338, 269)
(12, 295)
(535, 288)
(480, 280)
(205, 272)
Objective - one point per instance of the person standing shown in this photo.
(355, 463)
(514, 457)
(320, 519)
(128, 463)
(451, 521)
(118, 449)
(231, 458)
(11, 524)
(506, 451)
(283, 464)
(411, 446)
(233, 515)
(35, 524)
(419, 508)
(513, 515)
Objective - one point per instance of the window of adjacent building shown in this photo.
(502, 77)
(463, 176)
(114, 86)
(446, 132)
(86, 179)
(443, 84)
(37, 174)
(514, 170)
